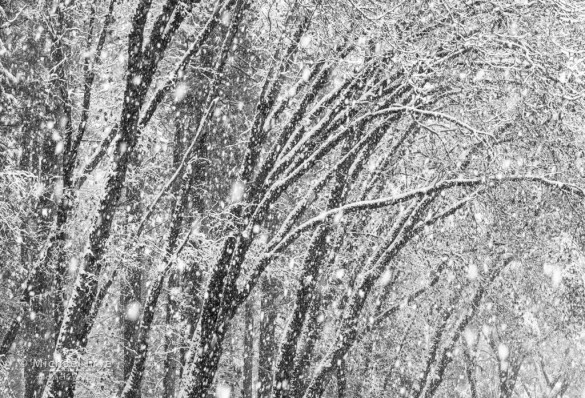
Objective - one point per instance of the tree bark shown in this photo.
(342, 378)
(318, 249)
(470, 370)
(307, 352)
(267, 343)
(249, 334)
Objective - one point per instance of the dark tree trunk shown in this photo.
(342, 379)
(470, 369)
(284, 372)
(267, 343)
(172, 306)
(318, 250)
(249, 334)
(301, 376)
(38, 327)
(398, 237)
(142, 64)
(130, 295)
(171, 359)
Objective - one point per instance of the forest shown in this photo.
(292, 198)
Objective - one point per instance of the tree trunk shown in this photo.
(309, 278)
(130, 296)
(39, 324)
(38, 327)
(301, 376)
(316, 255)
(248, 372)
(171, 359)
(172, 306)
(470, 369)
(342, 379)
(267, 343)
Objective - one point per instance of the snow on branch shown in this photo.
(419, 192)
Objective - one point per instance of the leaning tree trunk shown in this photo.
(249, 334)
(131, 287)
(267, 343)
(316, 255)
(143, 61)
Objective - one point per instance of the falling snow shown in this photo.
(253, 199)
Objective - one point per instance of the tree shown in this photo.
(367, 171)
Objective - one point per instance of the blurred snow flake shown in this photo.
(470, 336)
(472, 272)
(237, 191)
(181, 91)
(385, 278)
(181, 265)
(58, 189)
(133, 311)
(226, 17)
(478, 217)
(480, 75)
(59, 148)
(73, 264)
(503, 352)
(223, 391)
(557, 276)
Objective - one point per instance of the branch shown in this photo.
(8, 23)
(410, 298)
(266, 103)
(180, 167)
(89, 73)
(210, 103)
(134, 380)
(441, 115)
(193, 49)
(97, 157)
(470, 370)
(373, 204)
(100, 296)
(446, 213)
(277, 244)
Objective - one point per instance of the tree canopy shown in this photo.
(292, 199)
